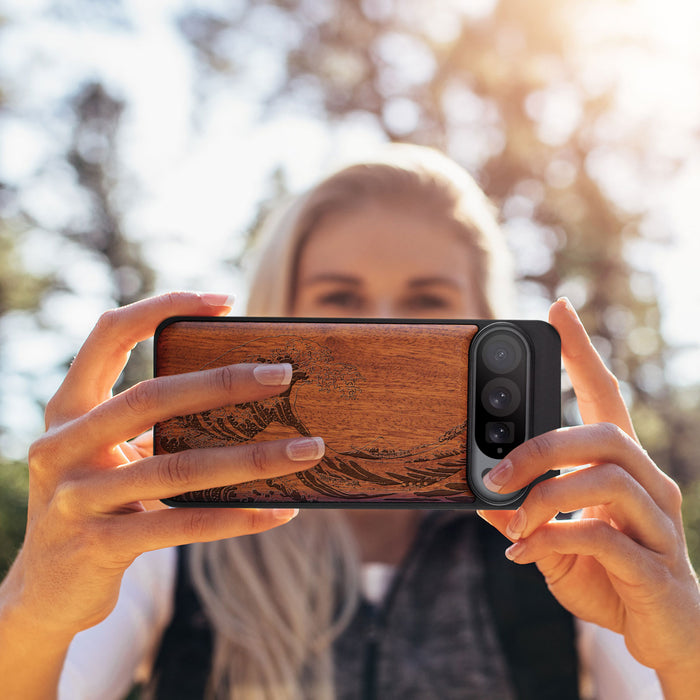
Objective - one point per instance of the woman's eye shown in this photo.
(341, 299)
(427, 302)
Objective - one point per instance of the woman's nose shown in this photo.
(383, 308)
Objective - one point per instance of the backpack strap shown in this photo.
(536, 633)
(183, 664)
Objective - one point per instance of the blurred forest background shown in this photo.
(580, 119)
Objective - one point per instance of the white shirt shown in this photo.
(104, 661)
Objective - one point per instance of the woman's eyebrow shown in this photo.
(333, 277)
(432, 281)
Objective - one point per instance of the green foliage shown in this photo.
(14, 483)
(18, 289)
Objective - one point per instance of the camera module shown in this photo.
(500, 390)
(505, 358)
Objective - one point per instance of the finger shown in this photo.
(606, 486)
(143, 444)
(105, 352)
(131, 452)
(596, 388)
(579, 445)
(140, 407)
(138, 448)
(497, 518)
(614, 550)
(141, 532)
(165, 476)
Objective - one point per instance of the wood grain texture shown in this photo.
(390, 401)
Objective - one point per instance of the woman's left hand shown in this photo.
(623, 564)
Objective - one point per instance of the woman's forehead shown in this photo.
(384, 235)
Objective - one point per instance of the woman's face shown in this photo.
(385, 261)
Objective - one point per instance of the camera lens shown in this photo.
(502, 353)
(499, 432)
(500, 396)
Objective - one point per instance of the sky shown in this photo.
(191, 190)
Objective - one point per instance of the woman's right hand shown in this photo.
(87, 516)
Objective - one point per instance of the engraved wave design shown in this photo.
(343, 475)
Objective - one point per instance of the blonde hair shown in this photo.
(277, 600)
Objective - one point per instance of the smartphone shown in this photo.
(414, 413)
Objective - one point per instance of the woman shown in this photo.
(412, 236)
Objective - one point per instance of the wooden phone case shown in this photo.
(389, 399)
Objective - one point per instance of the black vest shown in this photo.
(534, 634)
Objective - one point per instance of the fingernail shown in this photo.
(285, 514)
(569, 306)
(517, 525)
(304, 449)
(515, 550)
(499, 476)
(273, 375)
(218, 299)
